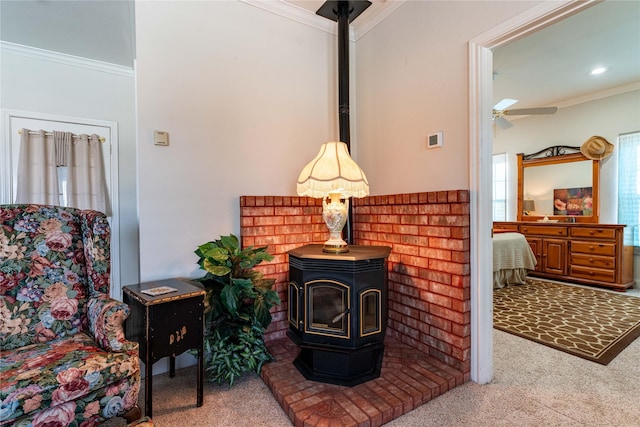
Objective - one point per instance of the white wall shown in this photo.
(247, 97)
(413, 80)
(607, 117)
(43, 86)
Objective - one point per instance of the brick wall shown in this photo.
(429, 298)
(282, 224)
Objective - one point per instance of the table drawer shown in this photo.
(543, 230)
(593, 274)
(604, 262)
(599, 233)
(593, 248)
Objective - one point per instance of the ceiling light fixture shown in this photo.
(598, 70)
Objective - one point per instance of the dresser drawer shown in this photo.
(593, 248)
(595, 232)
(541, 230)
(593, 274)
(604, 262)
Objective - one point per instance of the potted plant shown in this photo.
(237, 307)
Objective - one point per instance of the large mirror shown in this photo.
(558, 184)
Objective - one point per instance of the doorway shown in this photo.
(481, 142)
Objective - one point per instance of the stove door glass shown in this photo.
(327, 308)
(294, 295)
(370, 309)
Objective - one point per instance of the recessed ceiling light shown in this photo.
(598, 70)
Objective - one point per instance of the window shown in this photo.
(500, 187)
(62, 185)
(629, 186)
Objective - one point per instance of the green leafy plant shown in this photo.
(237, 307)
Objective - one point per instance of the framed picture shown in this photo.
(573, 201)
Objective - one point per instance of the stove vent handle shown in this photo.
(340, 316)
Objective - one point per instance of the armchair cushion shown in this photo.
(67, 379)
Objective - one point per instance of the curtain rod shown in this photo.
(32, 132)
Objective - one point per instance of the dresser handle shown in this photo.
(591, 232)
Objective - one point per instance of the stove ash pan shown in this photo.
(338, 312)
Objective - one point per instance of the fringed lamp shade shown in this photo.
(333, 176)
(332, 170)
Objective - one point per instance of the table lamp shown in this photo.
(333, 176)
(528, 206)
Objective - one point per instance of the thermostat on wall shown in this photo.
(160, 137)
(434, 140)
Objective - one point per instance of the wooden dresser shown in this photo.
(590, 254)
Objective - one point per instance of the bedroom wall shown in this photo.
(607, 117)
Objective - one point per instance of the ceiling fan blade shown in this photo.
(505, 103)
(530, 111)
(503, 123)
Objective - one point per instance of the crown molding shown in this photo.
(364, 24)
(63, 58)
(376, 16)
(599, 95)
(296, 13)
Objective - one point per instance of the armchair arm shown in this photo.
(106, 323)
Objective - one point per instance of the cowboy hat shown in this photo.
(596, 148)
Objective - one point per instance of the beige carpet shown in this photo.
(533, 386)
(588, 323)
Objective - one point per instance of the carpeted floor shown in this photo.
(589, 323)
(533, 385)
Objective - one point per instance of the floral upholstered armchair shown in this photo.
(64, 359)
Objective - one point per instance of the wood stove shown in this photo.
(338, 312)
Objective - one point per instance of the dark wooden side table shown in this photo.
(166, 325)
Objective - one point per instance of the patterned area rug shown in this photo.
(588, 323)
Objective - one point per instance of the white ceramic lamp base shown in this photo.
(334, 214)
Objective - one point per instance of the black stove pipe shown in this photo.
(343, 73)
(343, 95)
(344, 11)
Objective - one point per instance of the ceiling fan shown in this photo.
(500, 110)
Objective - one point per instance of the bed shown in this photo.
(512, 259)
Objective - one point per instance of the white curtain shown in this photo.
(37, 173)
(629, 186)
(86, 183)
(40, 155)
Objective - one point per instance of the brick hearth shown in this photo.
(408, 379)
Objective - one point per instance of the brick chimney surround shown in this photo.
(428, 299)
